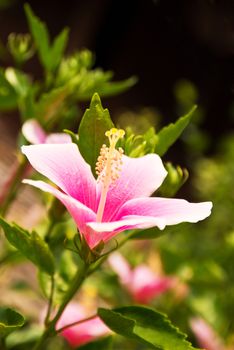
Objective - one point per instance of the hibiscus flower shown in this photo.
(119, 199)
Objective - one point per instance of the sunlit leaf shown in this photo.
(145, 325)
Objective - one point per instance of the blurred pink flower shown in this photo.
(206, 336)
(141, 282)
(84, 332)
(119, 199)
(34, 133)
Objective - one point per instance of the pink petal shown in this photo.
(171, 211)
(73, 312)
(64, 165)
(121, 267)
(138, 177)
(83, 332)
(33, 132)
(80, 213)
(149, 212)
(110, 229)
(146, 285)
(142, 276)
(58, 138)
(206, 336)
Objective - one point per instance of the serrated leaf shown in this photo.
(50, 56)
(145, 325)
(31, 245)
(170, 133)
(95, 122)
(10, 320)
(100, 344)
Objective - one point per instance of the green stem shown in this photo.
(47, 318)
(82, 273)
(12, 184)
(76, 283)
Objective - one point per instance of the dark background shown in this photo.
(160, 41)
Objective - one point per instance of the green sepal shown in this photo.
(176, 177)
(74, 137)
(20, 47)
(88, 255)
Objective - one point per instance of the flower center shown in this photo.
(108, 166)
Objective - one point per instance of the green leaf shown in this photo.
(145, 325)
(169, 134)
(8, 97)
(40, 34)
(31, 245)
(50, 56)
(24, 90)
(107, 88)
(95, 122)
(57, 49)
(10, 320)
(51, 104)
(100, 344)
(24, 337)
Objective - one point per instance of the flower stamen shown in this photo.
(108, 166)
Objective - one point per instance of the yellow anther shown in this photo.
(108, 166)
(114, 135)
